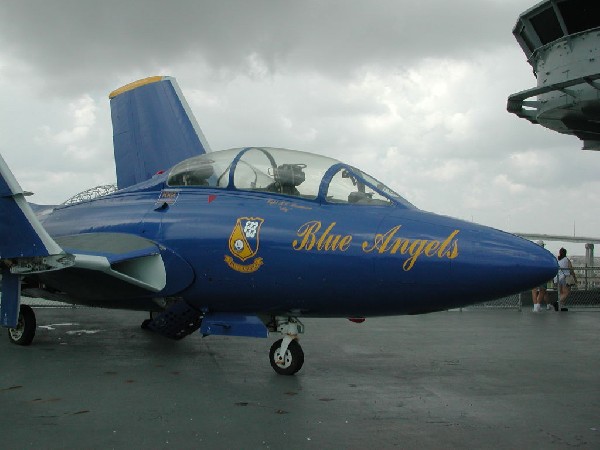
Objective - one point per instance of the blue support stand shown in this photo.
(231, 324)
(11, 299)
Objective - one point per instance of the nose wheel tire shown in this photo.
(24, 332)
(289, 363)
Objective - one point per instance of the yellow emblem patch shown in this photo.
(243, 244)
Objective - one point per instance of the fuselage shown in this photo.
(274, 253)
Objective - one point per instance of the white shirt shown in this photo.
(563, 270)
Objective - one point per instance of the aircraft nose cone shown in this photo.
(536, 264)
(504, 264)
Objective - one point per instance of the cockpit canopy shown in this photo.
(284, 172)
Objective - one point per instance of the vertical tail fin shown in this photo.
(153, 129)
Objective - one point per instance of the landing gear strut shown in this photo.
(286, 355)
(24, 332)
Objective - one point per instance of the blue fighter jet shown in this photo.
(243, 242)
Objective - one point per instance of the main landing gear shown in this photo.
(24, 332)
(286, 355)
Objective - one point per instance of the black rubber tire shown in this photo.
(145, 324)
(294, 358)
(24, 333)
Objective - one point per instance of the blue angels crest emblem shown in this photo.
(244, 243)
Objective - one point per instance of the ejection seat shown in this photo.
(287, 177)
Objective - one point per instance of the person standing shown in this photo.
(539, 293)
(564, 279)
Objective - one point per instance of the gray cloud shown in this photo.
(413, 92)
(73, 40)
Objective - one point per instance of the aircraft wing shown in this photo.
(25, 245)
(130, 262)
(125, 257)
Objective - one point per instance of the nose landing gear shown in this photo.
(286, 362)
(286, 355)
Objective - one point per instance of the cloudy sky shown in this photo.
(413, 93)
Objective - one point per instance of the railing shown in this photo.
(41, 303)
(586, 294)
(588, 278)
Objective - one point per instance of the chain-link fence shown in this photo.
(585, 294)
(41, 303)
(511, 302)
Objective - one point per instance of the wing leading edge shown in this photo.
(129, 258)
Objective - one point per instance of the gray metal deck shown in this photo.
(471, 379)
